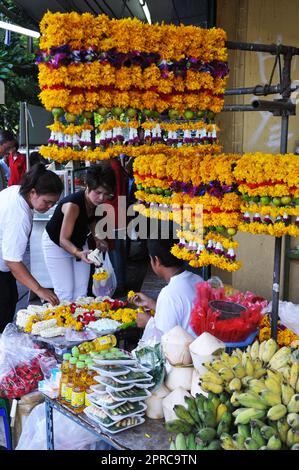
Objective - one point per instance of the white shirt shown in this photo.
(15, 225)
(174, 306)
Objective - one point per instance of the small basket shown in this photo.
(227, 309)
(229, 347)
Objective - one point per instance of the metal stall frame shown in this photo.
(284, 108)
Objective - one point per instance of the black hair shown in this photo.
(36, 157)
(42, 180)
(101, 175)
(161, 249)
(5, 136)
(14, 145)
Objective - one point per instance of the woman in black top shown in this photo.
(65, 238)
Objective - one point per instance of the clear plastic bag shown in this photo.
(150, 356)
(288, 314)
(22, 363)
(105, 287)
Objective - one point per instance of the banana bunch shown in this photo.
(203, 418)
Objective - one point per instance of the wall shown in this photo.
(267, 22)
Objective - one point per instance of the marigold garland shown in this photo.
(204, 259)
(284, 336)
(275, 230)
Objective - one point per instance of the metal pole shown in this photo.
(258, 90)
(26, 135)
(253, 47)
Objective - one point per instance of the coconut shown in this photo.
(177, 397)
(179, 377)
(203, 349)
(195, 387)
(154, 403)
(175, 345)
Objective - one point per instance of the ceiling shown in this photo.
(197, 12)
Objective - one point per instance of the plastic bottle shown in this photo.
(89, 381)
(105, 342)
(70, 381)
(64, 376)
(78, 393)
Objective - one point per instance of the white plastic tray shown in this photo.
(122, 387)
(96, 400)
(110, 373)
(139, 418)
(131, 399)
(98, 420)
(98, 389)
(142, 407)
(145, 378)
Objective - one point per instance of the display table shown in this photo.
(151, 435)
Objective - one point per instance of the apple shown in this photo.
(153, 190)
(173, 113)
(231, 231)
(116, 111)
(246, 197)
(276, 201)
(265, 200)
(131, 112)
(255, 199)
(57, 113)
(87, 114)
(286, 200)
(102, 111)
(220, 228)
(188, 114)
(70, 117)
(147, 112)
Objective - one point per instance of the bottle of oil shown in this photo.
(89, 381)
(70, 381)
(78, 393)
(64, 376)
(105, 342)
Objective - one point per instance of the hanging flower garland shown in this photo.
(270, 190)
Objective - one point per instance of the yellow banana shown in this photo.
(270, 398)
(222, 408)
(297, 386)
(227, 442)
(257, 385)
(294, 372)
(290, 438)
(211, 387)
(251, 400)
(258, 364)
(259, 373)
(274, 443)
(246, 380)
(226, 374)
(237, 353)
(234, 399)
(235, 385)
(249, 367)
(286, 393)
(293, 421)
(239, 371)
(212, 377)
(245, 357)
(261, 349)
(254, 350)
(273, 385)
(285, 372)
(273, 374)
(269, 350)
(283, 428)
(280, 358)
(293, 405)
(277, 412)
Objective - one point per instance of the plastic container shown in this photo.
(241, 345)
(227, 309)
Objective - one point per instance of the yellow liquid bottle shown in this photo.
(64, 376)
(70, 382)
(89, 381)
(78, 393)
(105, 342)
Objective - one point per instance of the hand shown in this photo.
(102, 245)
(48, 295)
(142, 300)
(142, 319)
(82, 255)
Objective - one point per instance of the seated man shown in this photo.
(175, 301)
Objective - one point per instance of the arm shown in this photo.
(21, 273)
(142, 300)
(71, 213)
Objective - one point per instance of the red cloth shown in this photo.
(17, 168)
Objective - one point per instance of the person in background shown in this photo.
(36, 157)
(17, 164)
(64, 240)
(175, 301)
(6, 141)
(40, 189)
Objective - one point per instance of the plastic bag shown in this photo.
(20, 363)
(288, 314)
(105, 287)
(150, 356)
(34, 437)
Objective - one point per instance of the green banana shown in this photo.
(200, 447)
(177, 426)
(224, 397)
(224, 424)
(295, 447)
(227, 442)
(199, 400)
(172, 446)
(257, 436)
(293, 421)
(183, 414)
(248, 414)
(207, 434)
(180, 442)
(256, 422)
(192, 409)
(191, 444)
(267, 431)
(216, 401)
(293, 405)
(238, 440)
(274, 443)
(251, 400)
(210, 419)
(283, 428)
(244, 430)
(251, 444)
(277, 412)
(214, 445)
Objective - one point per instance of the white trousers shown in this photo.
(69, 277)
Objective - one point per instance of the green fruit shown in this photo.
(167, 192)
(87, 114)
(285, 200)
(265, 200)
(246, 197)
(207, 434)
(173, 113)
(210, 115)
(220, 229)
(57, 113)
(139, 186)
(153, 190)
(255, 199)
(297, 201)
(201, 114)
(102, 111)
(160, 191)
(231, 231)
(147, 112)
(70, 117)
(276, 201)
(116, 111)
(188, 114)
(147, 190)
(131, 112)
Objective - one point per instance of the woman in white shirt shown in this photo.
(40, 190)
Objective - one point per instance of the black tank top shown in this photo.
(81, 228)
